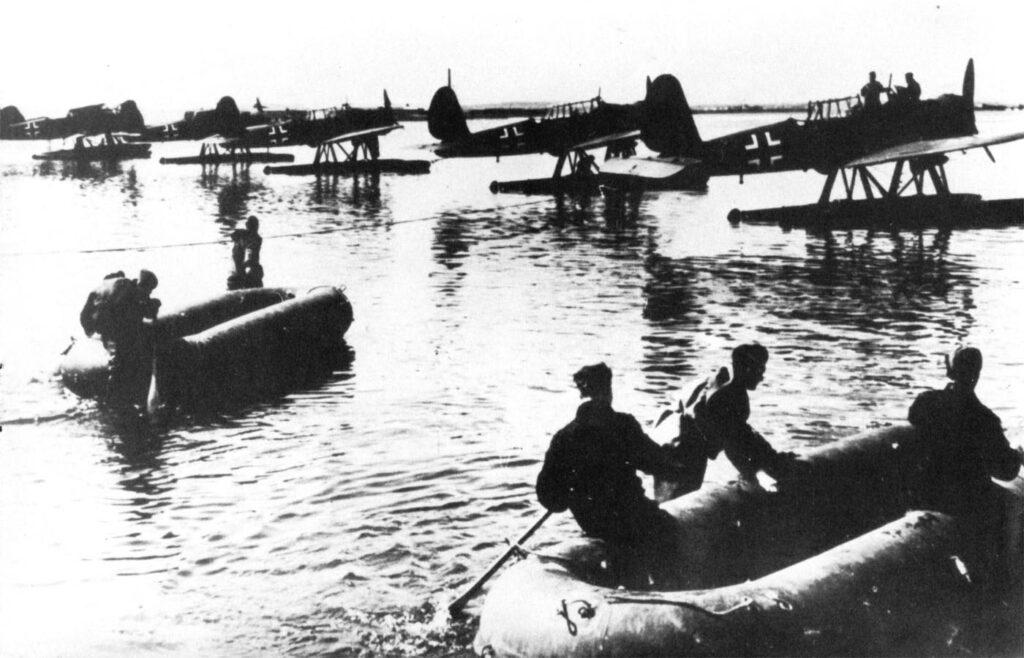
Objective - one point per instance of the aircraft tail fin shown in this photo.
(445, 118)
(9, 116)
(968, 91)
(228, 119)
(668, 126)
(129, 117)
(968, 97)
(389, 112)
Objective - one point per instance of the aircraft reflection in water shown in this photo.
(359, 191)
(869, 295)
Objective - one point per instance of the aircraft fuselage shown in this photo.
(826, 144)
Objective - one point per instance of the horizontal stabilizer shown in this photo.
(653, 168)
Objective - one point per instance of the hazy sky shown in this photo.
(174, 56)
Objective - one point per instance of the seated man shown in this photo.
(591, 469)
(715, 418)
(966, 445)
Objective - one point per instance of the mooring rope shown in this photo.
(298, 234)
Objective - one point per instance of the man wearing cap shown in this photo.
(872, 93)
(715, 419)
(967, 445)
(591, 469)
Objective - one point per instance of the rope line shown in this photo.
(203, 243)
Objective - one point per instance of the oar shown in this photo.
(456, 606)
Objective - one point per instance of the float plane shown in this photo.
(105, 147)
(325, 129)
(578, 172)
(561, 127)
(86, 120)
(842, 138)
(225, 119)
(362, 156)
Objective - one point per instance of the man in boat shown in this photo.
(245, 253)
(118, 310)
(591, 469)
(714, 418)
(966, 444)
(872, 93)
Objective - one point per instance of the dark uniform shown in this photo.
(722, 417)
(591, 469)
(116, 311)
(872, 93)
(245, 254)
(966, 447)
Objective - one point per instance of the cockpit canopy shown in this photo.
(833, 108)
(576, 108)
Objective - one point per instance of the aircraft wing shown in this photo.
(348, 137)
(925, 147)
(656, 168)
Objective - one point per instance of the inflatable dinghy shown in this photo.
(236, 344)
(838, 563)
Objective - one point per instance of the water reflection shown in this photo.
(233, 187)
(360, 191)
(91, 171)
(868, 296)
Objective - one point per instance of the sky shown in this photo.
(176, 56)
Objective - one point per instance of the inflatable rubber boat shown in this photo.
(234, 345)
(838, 563)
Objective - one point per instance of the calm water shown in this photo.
(341, 520)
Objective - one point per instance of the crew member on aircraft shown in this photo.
(591, 469)
(966, 444)
(715, 419)
(911, 93)
(245, 254)
(120, 310)
(872, 93)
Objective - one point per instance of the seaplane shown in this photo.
(87, 120)
(844, 140)
(577, 171)
(227, 135)
(557, 130)
(105, 147)
(225, 119)
(347, 141)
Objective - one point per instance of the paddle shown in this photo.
(456, 606)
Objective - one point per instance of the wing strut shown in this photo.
(922, 170)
